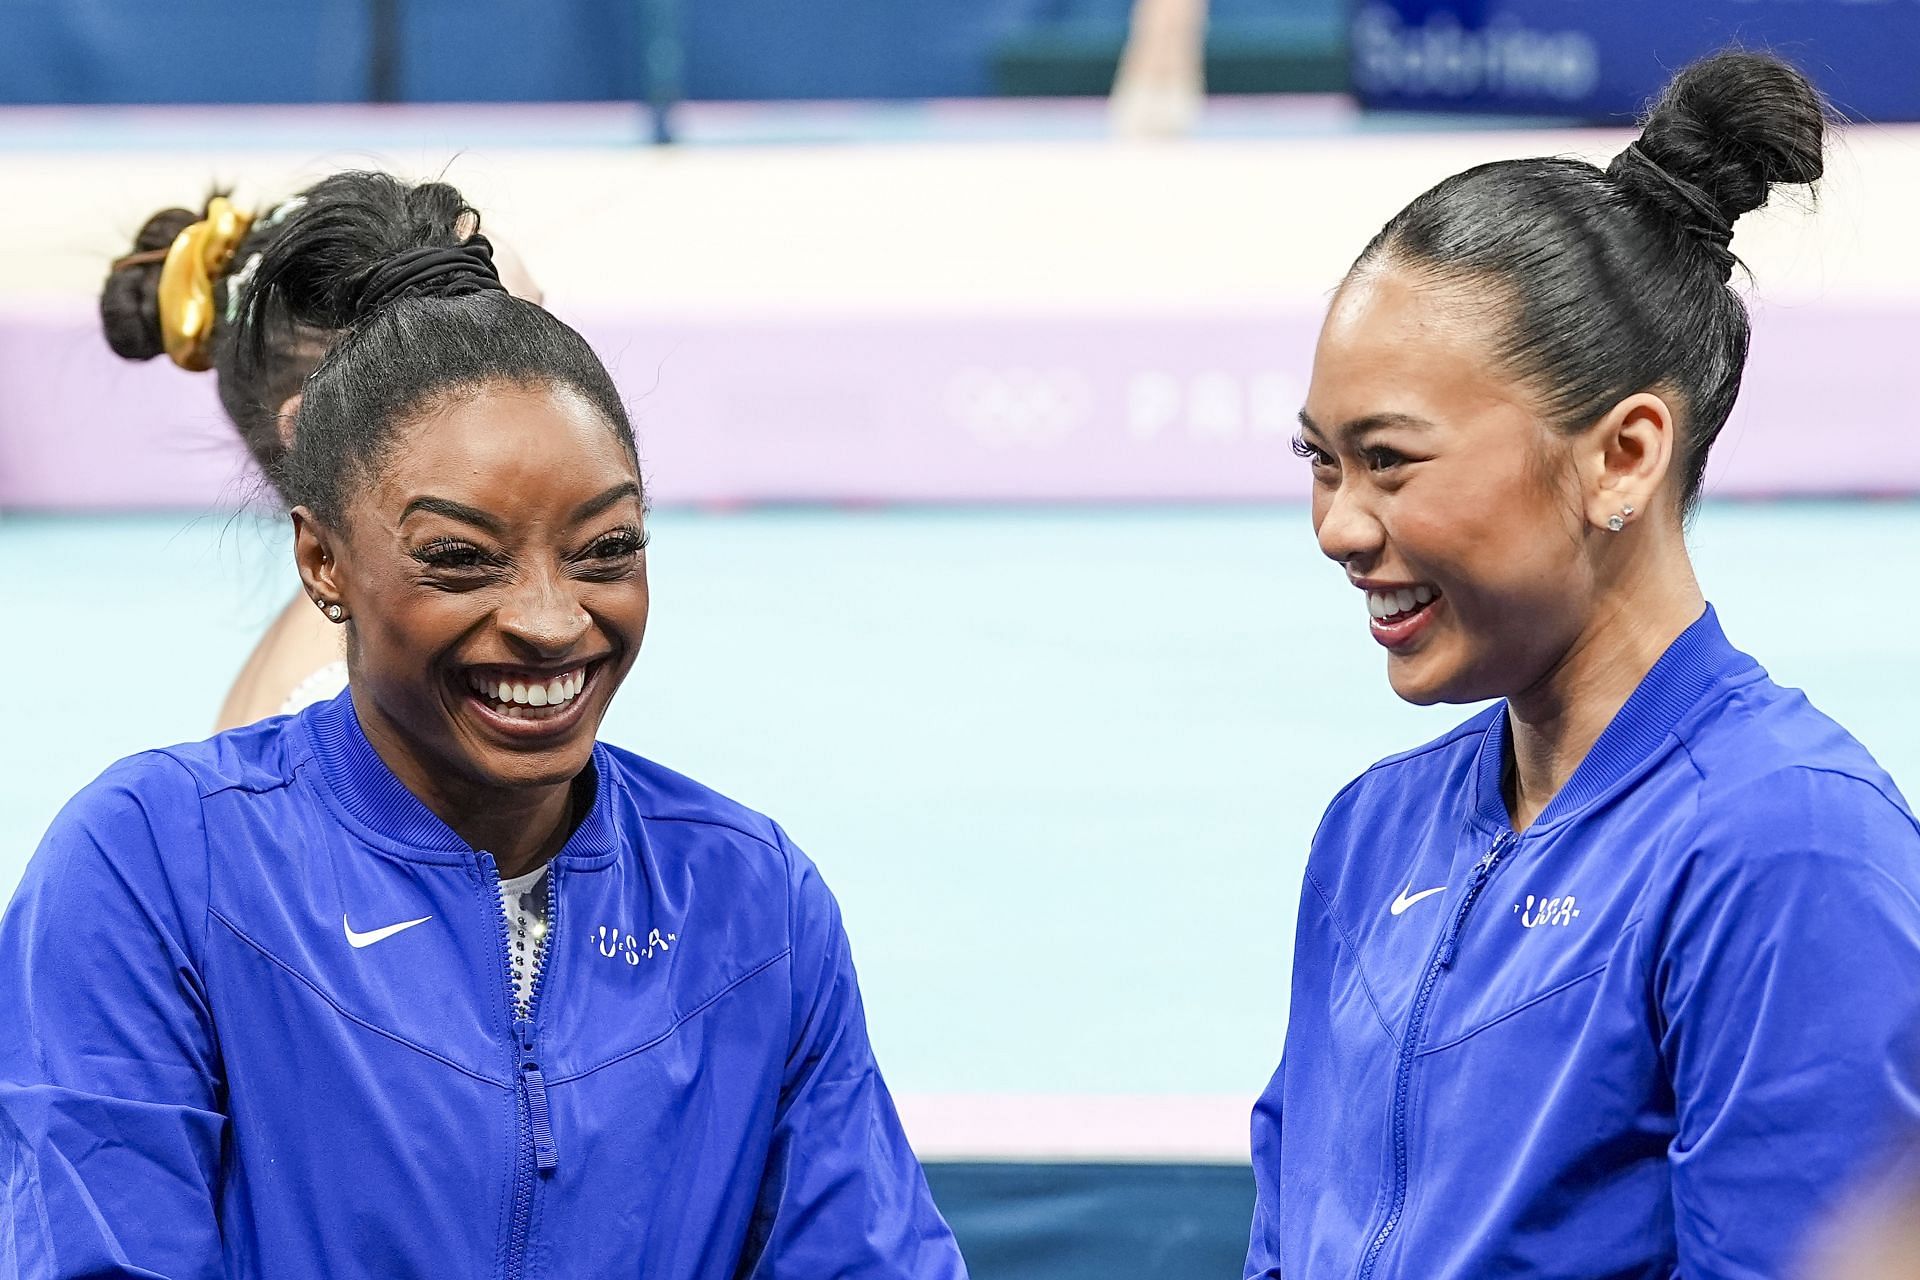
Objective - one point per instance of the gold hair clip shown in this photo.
(194, 261)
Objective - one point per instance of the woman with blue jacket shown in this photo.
(425, 981)
(1615, 979)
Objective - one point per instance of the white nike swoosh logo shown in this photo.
(372, 936)
(1408, 898)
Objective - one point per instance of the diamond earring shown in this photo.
(1618, 522)
(335, 613)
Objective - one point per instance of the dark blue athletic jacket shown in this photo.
(1655, 1035)
(225, 1061)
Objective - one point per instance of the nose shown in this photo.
(1347, 527)
(543, 615)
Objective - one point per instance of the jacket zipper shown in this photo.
(534, 1152)
(1443, 958)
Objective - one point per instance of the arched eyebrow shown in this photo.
(481, 520)
(453, 511)
(1353, 430)
(594, 506)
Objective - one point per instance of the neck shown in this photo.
(522, 830)
(1555, 722)
(522, 827)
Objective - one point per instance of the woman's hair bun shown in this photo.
(332, 251)
(130, 298)
(432, 271)
(1727, 129)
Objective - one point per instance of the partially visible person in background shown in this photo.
(1877, 1236)
(1160, 87)
(179, 293)
(1620, 977)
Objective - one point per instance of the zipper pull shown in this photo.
(1482, 871)
(545, 1154)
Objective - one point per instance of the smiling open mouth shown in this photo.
(1398, 614)
(1399, 604)
(530, 703)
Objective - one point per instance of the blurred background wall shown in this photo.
(1558, 56)
(981, 561)
(592, 50)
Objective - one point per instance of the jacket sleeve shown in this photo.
(842, 1194)
(1788, 985)
(1263, 1245)
(110, 1102)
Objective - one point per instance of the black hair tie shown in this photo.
(439, 271)
(1684, 203)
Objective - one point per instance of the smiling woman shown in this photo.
(493, 576)
(1623, 968)
(425, 980)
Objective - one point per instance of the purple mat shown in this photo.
(904, 408)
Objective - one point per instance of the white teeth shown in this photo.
(552, 693)
(1399, 600)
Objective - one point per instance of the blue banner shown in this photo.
(138, 51)
(1602, 60)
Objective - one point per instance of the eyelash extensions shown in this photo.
(458, 553)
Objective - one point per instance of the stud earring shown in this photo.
(335, 613)
(1618, 522)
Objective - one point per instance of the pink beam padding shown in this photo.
(945, 408)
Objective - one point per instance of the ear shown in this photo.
(289, 410)
(314, 553)
(1630, 452)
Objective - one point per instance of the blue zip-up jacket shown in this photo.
(1654, 1035)
(225, 1062)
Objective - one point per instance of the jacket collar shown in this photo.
(370, 796)
(1700, 660)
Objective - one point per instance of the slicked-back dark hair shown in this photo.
(400, 352)
(1618, 281)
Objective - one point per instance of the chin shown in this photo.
(1425, 680)
(511, 769)
(1418, 692)
(1415, 694)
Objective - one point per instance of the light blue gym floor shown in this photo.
(1060, 766)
